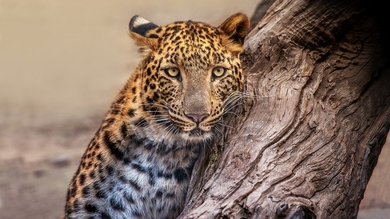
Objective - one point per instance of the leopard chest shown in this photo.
(151, 181)
(144, 192)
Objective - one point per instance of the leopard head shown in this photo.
(191, 73)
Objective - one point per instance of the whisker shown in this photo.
(218, 130)
(225, 125)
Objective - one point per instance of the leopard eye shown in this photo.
(173, 72)
(219, 71)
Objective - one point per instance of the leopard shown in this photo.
(140, 161)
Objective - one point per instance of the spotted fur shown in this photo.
(139, 163)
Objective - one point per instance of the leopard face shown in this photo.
(191, 74)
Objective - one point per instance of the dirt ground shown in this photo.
(61, 64)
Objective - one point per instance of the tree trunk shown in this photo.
(315, 117)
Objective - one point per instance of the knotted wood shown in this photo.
(316, 114)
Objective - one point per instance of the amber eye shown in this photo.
(219, 71)
(173, 72)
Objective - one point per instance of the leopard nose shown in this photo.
(197, 117)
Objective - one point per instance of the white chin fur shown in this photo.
(196, 139)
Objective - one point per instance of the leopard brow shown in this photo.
(169, 66)
(221, 64)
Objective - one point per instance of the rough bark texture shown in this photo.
(314, 122)
(260, 11)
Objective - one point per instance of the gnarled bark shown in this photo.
(314, 121)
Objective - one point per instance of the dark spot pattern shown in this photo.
(90, 207)
(110, 170)
(164, 175)
(82, 179)
(131, 113)
(124, 130)
(149, 146)
(135, 185)
(86, 191)
(96, 185)
(138, 167)
(152, 178)
(76, 205)
(129, 197)
(126, 161)
(73, 191)
(170, 194)
(159, 194)
(123, 179)
(104, 215)
(136, 213)
(180, 175)
(92, 174)
(108, 122)
(102, 178)
(101, 194)
(117, 204)
(112, 146)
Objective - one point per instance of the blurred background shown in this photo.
(61, 65)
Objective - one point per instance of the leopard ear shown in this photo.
(141, 31)
(234, 30)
